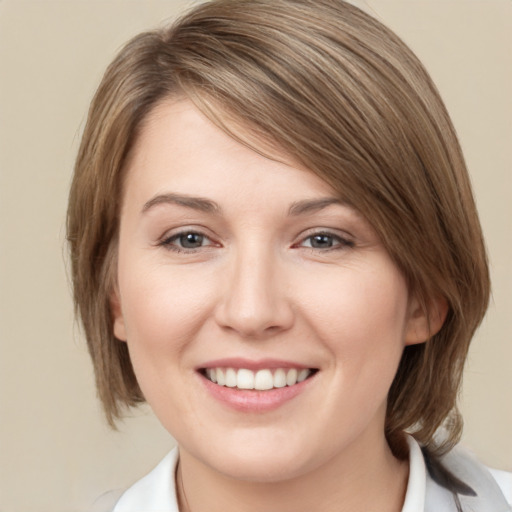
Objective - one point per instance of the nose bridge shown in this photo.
(254, 301)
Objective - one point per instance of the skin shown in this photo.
(258, 286)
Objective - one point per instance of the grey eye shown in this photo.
(321, 241)
(190, 240)
(325, 241)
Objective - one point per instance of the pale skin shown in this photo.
(225, 253)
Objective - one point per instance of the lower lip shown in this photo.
(253, 400)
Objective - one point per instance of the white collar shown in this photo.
(156, 492)
(415, 495)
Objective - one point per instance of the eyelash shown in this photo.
(169, 242)
(338, 242)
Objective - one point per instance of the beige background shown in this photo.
(56, 453)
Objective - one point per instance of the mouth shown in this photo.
(264, 379)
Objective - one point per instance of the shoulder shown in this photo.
(493, 488)
(155, 492)
(504, 480)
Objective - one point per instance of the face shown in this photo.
(251, 272)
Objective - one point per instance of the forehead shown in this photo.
(178, 119)
(179, 148)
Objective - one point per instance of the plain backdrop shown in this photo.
(56, 452)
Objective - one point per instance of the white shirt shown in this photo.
(156, 492)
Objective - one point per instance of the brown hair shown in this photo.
(346, 97)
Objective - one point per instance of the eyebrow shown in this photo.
(313, 205)
(208, 206)
(195, 203)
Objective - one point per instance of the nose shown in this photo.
(254, 301)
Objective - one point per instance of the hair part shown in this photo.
(344, 96)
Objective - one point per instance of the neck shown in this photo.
(358, 480)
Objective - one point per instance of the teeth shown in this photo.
(291, 377)
(219, 374)
(230, 378)
(245, 379)
(303, 375)
(279, 379)
(261, 380)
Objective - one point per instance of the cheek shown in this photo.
(163, 310)
(162, 307)
(361, 317)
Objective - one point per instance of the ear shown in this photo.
(117, 316)
(425, 320)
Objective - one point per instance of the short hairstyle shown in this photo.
(348, 99)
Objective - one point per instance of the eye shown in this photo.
(186, 241)
(190, 240)
(326, 241)
(321, 241)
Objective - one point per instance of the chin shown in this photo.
(265, 462)
(261, 469)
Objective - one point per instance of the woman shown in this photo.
(274, 243)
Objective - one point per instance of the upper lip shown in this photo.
(251, 364)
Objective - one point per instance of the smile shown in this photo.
(260, 380)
